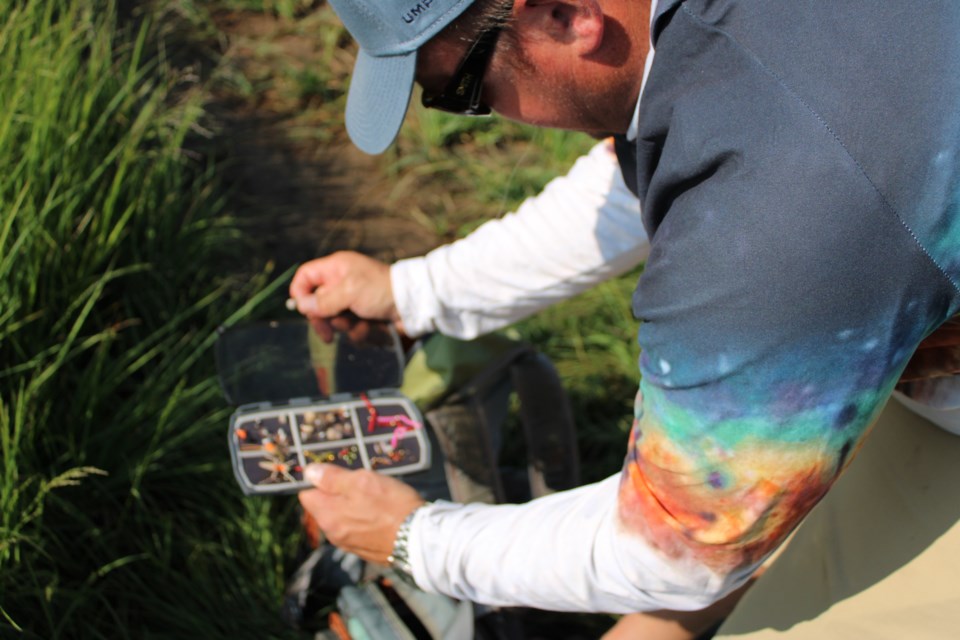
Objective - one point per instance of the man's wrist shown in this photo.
(414, 296)
(399, 558)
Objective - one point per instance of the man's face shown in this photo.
(537, 78)
(514, 88)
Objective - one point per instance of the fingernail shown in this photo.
(313, 473)
(291, 304)
(306, 305)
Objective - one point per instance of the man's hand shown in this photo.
(330, 289)
(358, 511)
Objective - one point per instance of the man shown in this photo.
(797, 167)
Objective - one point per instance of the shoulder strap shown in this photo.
(553, 462)
(467, 425)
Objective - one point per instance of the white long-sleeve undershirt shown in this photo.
(582, 229)
(563, 552)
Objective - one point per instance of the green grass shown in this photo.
(283, 8)
(119, 514)
(460, 171)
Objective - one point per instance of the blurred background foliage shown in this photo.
(130, 232)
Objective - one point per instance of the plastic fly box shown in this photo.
(302, 399)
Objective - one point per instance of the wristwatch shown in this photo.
(399, 559)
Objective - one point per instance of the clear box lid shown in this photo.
(281, 360)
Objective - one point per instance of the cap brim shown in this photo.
(377, 102)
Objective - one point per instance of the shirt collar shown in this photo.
(635, 122)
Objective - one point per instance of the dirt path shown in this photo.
(302, 191)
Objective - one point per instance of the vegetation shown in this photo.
(119, 517)
(119, 514)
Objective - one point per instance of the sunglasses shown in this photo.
(462, 93)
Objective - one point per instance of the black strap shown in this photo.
(627, 157)
(467, 422)
(551, 436)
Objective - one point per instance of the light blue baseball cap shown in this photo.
(389, 33)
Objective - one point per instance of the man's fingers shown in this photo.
(343, 282)
(306, 305)
(324, 302)
(308, 277)
(328, 478)
(332, 301)
(320, 271)
(342, 322)
(312, 501)
(322, 328)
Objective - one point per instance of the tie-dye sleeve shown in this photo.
(801, 249)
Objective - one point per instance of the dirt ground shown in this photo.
(300, 189)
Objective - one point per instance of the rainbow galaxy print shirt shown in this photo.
(798, 165)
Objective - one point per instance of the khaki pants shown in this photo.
(879, 557)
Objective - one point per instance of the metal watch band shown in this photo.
(399, 559)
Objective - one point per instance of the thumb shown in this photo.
(328, 301)
(328, 478)
(306, 304)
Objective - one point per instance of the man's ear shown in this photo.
(570, 22)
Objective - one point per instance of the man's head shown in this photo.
(558, 63)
